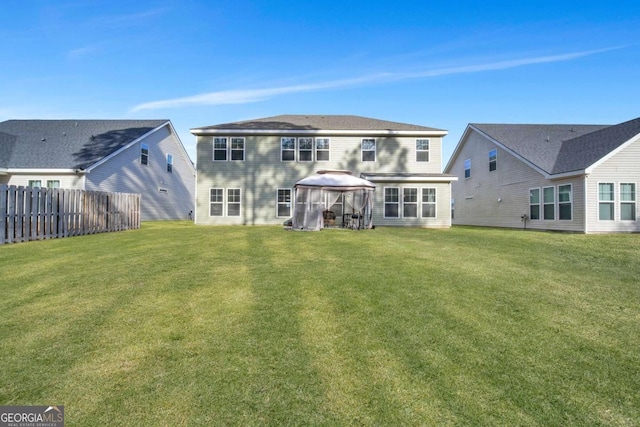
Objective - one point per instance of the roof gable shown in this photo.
(66, 144)
(318, 122)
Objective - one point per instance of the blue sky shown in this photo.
(432, 63)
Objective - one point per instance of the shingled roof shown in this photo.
(66, 144)
(293, 122)
(558, 149)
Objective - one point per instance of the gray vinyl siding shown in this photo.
(622, 167)
(262, 172)
(68, 180)
(499, 198)
(124, 173)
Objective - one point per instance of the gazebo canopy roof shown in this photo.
(336, 180)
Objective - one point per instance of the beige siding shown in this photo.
(499, 198)
(164, 195)
(623, 167)
(262, 172)
(443, 211)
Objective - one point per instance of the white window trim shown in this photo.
(464, 166)
(375, 150)
(231, 149)
(278, 203)
(496, 160)
(539, 204)
(559, 203)
(623, 202)
(169, 158)
(144, 146)
(555, 201)
(435, 204)
(316, 150)
(226, 149)
(428, 150)
(222, 203)
(295, 146)
(416, 203)
(227, 202)
(384, 203)
(613, 202)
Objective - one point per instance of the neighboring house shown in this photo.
(247, 170)
(128, 156)
(581, 178)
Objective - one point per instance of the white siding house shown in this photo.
(247, 170)
(128, 156)
(579, 178)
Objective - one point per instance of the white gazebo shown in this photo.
(333, 198)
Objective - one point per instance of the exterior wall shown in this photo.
(622, 167)
(164, 195)
(443, 211)
(262, 172)
(499, 198)
(71, 181)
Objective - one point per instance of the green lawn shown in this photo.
(176, 324)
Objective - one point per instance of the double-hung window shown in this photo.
(493, 160)
(628, 202)
(322, 149)
(216, 202)
(565, 201)
(549, 203)
(233, 202)
(237, 148)
(220, 149)
(391, 202)
(284, 202)
(144, 154)
(534, 203)
(305, 149)
(368, 150)
(422, 150)
(410, 202)
(428, 202)
(288, 149)
(467, 168)
(606, 201)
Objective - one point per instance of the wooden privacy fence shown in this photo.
(28, 213)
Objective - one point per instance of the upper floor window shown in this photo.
(322, 149)
(144, 154)
(467, 168)
(305, 149)
(169, 163)
(422, 150)
(369, 150)
(606, 200)
(493, 160)
(237, 149)
(220, 149)
(288, 149)
(628, 202)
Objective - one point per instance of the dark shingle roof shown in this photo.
(561, 148)
(320, 122)
(66, 144)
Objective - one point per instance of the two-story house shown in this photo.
(246, 171)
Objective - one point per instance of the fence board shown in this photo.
(43, 213)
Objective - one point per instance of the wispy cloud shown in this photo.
(245, 96)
